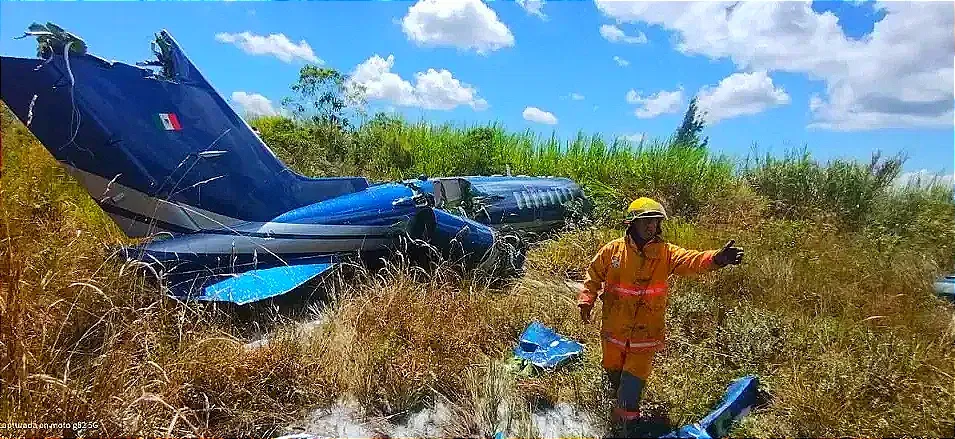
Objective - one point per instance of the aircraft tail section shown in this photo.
(159, 150)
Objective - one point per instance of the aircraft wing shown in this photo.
(249, 286)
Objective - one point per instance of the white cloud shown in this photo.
(535, 114)
(381, 84)
(254, 104)
(740, 94)
(621, 62)
(661, 102)
(533, 7)
(277, 45)
(439, 90)
(925, 178)
(465, 24)
(900, 75)
(614, 34)
(577, 96)
(635, 138)
(432, 90)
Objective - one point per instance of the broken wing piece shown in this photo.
(545, 348)
(741, 396)
(255, 285)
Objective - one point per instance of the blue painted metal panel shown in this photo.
(372, 206)
(522, 200)
(262, 284)
(458, 234)
(518, 201)
(119, 134)
(545, 348)
(181, 262)
(741, 396)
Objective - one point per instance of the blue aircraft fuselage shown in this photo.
(224, 219)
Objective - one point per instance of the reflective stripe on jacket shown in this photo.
(635, 288)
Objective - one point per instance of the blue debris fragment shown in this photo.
(542, 347)
(739, 399)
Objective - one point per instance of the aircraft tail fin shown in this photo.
(158, 150)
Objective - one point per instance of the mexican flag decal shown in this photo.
(168, 122)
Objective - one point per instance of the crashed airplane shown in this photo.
(224, 219)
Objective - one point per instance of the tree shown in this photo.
(324, 95)
(689, 131)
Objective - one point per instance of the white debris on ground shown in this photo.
(255, 344)
(565, 421)
(302, 329)
(346, 421)
(429, 422)
(339, 421)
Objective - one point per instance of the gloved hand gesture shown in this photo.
(729, 255)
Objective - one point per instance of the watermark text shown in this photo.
(74, 425)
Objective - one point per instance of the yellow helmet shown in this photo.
(645, 208)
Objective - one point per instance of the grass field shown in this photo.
(832, 308)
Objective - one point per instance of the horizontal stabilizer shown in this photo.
(255, 285)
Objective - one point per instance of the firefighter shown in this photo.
(632, 271)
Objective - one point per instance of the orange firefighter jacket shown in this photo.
(635, 288)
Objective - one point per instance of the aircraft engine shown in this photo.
(462, 240)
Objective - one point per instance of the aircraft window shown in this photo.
(451, 192)
(519, 200)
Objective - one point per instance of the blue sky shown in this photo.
(844, 84)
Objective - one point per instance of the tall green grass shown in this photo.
(842, 190)
(690, 181)
(614, 172)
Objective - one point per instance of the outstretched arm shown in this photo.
(693, 262)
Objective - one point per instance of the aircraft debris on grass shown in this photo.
(167, 158)
(945, 287)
